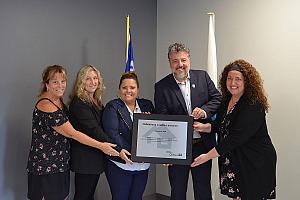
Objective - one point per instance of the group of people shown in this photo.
(89, 138)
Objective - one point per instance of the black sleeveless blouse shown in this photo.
(49, 151)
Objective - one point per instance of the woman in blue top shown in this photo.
(127, 179)
(48, 160)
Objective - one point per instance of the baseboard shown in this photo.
(156, 196)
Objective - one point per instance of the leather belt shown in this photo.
(197, 140)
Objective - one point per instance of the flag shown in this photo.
(129, 50)
(212, 68)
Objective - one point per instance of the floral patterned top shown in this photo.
(227, 169)
(49, 151)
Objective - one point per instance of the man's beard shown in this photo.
(180, 76)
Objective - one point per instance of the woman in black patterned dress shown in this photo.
(247, 157)
(48, 160)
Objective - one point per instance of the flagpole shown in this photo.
(212, 50)
(127, 38)
(212, 68)
(129, 64)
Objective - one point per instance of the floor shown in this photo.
(156, 197)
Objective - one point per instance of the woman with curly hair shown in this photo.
(247, 157)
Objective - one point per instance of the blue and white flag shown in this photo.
(129, 50)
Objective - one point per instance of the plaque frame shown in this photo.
(136, 136)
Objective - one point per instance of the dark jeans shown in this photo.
(126, 185)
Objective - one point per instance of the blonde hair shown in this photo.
(49, 73)
(79, 85)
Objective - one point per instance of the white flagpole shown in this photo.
(212, 67)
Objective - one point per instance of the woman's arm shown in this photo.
(67, 130)
(248, 122)
(111, 125)
(205, 157)
(83, 118)
(110, 121)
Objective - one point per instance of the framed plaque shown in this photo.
(165, 139)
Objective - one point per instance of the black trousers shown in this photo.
(85, 186)
(201, 175)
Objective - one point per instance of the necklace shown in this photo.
(231, 104)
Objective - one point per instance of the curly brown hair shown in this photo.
(254, 90)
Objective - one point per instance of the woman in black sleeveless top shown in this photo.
(48, 160)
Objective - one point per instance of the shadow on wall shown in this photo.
(16, 148)
(5, 193)
(84, 52)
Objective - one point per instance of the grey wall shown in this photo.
(36, 33)
(264, 32)
(72, 33)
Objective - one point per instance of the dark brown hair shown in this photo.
(129, 75)
(254, 90)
